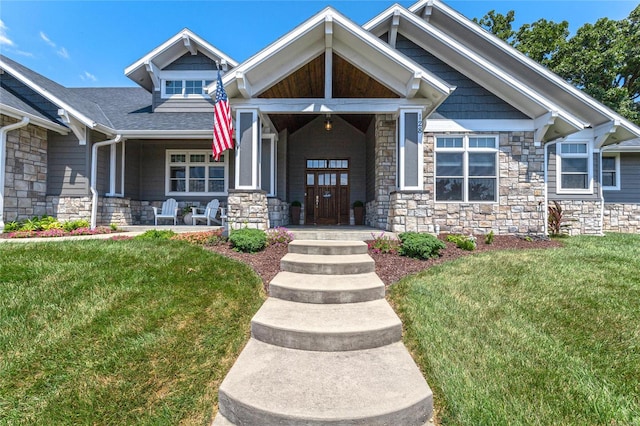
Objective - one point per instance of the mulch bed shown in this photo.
(389, 267)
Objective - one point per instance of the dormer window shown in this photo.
(184, 88)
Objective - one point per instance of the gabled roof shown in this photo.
(142, 71)
(330, 31)
(86, 112)
(506, 71)
(16, 107)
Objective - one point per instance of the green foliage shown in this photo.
(204, 238)
(465, 242)
(156, 234)
(420, 246)
(603, 59)
(488, 239)
(382, 243)
(248, 240)
(279, 236)
(358, 203)
(113, 226)
(75, 224)
(296, 203)
(11, 226)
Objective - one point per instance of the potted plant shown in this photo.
(186, 214)
(294, 209)
(358, 212)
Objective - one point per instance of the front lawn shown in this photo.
(118, 332)
(530, 337)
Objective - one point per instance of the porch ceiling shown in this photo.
(294, 122)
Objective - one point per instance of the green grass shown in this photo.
(530, 337)
(118, 332)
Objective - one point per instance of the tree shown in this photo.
(603, 59)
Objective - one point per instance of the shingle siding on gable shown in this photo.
(469, 100)
(189, 62)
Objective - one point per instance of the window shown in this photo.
(196, 173)
(466, 168)
(574, 167)
(184, 88)
(611, 172)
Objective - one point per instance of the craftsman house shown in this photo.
(432, 122)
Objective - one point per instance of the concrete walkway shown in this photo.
(325, 349)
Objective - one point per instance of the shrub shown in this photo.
(555, 219)
(72, 225)
(384, 244)
(154, 234)
(11, 226)
(279, 236)
(296, 203)
(204, 238)
(248, 240)
(488, 239)
(421, 246)
(462, 241)
(358, 203)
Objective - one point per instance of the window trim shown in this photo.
(187, 153)
(273, 162)
(559, 156)
(185, 76)
(465, 150)
(616, 156)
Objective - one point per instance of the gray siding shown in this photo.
(67, 165)
(281, 166)
(370, 155)
(469, 100)
(181, 105)
(312, 141)
(152, 167)
(629, 180)
(189, 62)
(552, 184)
(132, 171)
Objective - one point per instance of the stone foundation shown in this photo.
(247, 208)
(582, 217)
(622, 218)
(26, 172)
(69, 208)
(114, 211)
(411, 211)
(278, 212)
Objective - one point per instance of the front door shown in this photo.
(327, 192)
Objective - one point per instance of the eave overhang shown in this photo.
(538, 78)
(475, 66)
(167, 134)
(33, 119)
(144, 71)
(331, 31)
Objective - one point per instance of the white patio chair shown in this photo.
(169, 211)
(210, 213)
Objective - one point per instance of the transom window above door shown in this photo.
(327, 164)
(195, 172)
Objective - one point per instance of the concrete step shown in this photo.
(270, 385)
(327, 265)
(350, 233)
(328, 327)
(307, 288)
(333, 248)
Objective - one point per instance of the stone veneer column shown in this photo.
(582, 217)
(26, 172)
(247, 208)
(384, 170)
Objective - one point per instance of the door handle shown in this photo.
(317, 201)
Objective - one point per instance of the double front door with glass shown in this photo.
(327, 192)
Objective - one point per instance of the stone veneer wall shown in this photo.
(377, 210)
(278, 212)
(247, 208)
(622, 218)
(69, 208)
(26, 172)
(520, 201)
(582, 217)
(110, 209)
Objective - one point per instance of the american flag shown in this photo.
(222, 125)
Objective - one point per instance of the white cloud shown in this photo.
(23, 53)
(87, 76)
(4, 39)
(46, 39)
(63, 53)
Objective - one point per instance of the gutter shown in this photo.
(3, 161)
(94, 176)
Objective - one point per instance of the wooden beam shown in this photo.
(414, 85)
(393, 31)
(190, 46)
(244, 87)
(335, 106)
(427, 11)
(328, 57)
(78, 129)
(603, 132)
(153, 73)
(542, 124)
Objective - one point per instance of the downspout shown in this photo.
(94, 176)
(601, 194)
(546, 187)
(3, 161)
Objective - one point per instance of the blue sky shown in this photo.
(90, 43)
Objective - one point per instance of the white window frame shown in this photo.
(465, 150)
(187, 164)
(273, 153)
(559, 156)
(400, 176)
(206, 77)
(616, 156)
